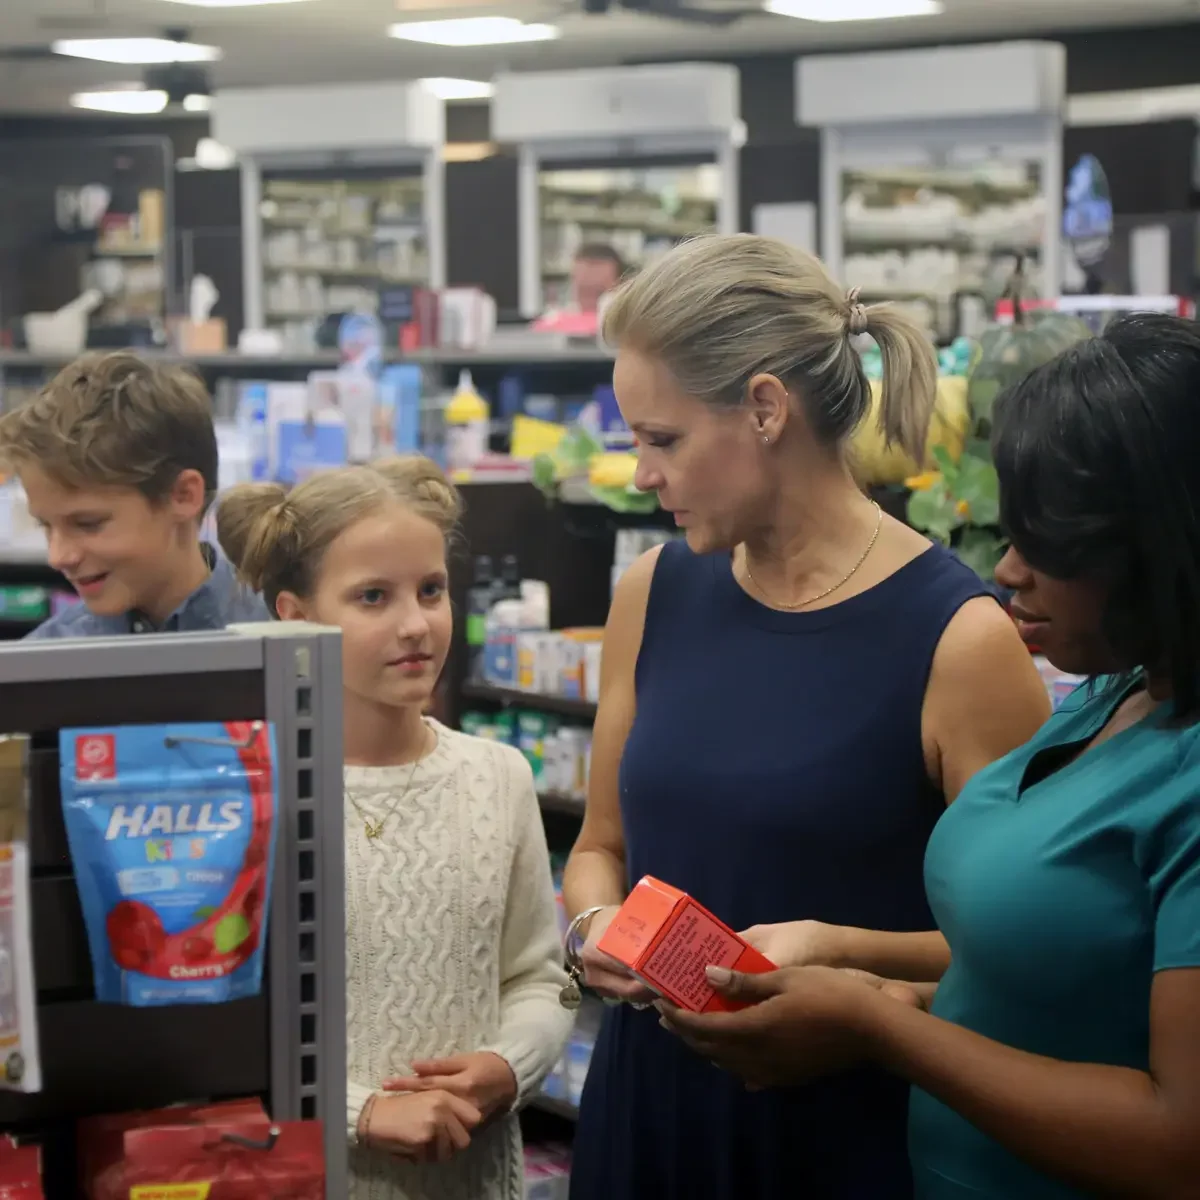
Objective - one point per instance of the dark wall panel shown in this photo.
(1149, 167)
(182, 133)
(1118, 59)
(481, 227)
(469, 121)
(779, 173)
(208, 238)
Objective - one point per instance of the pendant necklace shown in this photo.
(845, 579)
(374, 829)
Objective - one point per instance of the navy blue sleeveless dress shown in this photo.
(774, 771)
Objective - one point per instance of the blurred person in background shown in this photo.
(596, 270)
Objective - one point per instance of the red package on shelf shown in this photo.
(100, 1140)
(239, 1161)
(20, 1171)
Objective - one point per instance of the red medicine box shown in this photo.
(667, 940)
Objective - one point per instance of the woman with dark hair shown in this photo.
(1060, 1054)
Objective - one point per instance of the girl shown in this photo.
(453, 964)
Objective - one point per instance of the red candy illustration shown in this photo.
(135, 934)
(196, 949)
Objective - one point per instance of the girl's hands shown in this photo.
(604, 974)
(482, 1079)
(426, 1127)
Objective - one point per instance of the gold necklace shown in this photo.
(828, 591)
(374, 829)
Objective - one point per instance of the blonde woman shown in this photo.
(453, 966)
(789, 699)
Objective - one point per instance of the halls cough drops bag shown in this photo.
(172, 836)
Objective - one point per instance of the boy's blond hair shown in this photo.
(116, 420)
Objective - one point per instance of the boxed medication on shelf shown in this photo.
(667, 940)
(504, 624)
(1060, 684)
(549, 662)
(20, 1171)
(633, 543)
(547, 1172)
(559, 755)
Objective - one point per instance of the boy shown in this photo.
(118, 459)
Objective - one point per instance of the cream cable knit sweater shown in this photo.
(451, 946)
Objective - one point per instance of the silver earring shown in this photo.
(766, 440)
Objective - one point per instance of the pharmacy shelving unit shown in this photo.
(289, 1044)
(939, 167)
(550, 362)
(636, 157)
(342, 196)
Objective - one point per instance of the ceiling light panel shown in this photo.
(473, 31)
(233, 3)
(459, 89)
(130, 101)
(854, 10)
(135, 51)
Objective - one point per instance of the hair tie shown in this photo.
(283, 518)
(857, 319)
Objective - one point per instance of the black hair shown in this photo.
(600, 252)
(1098, 454)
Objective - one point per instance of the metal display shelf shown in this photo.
(288, 1044)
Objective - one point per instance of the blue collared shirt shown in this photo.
(219, 601)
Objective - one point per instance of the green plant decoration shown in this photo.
(570, 463)
(959, 503)
(568, 460)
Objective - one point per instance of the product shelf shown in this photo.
(515, 697)
(288, 1044)
(562, 802)
(551, 352)
(552, 1104)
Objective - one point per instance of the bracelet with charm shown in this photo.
(571, 996)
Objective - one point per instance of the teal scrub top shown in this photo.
(1060, 901)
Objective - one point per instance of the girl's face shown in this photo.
(384, 583)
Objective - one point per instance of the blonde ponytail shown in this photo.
(719, 309)
(909, 378)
